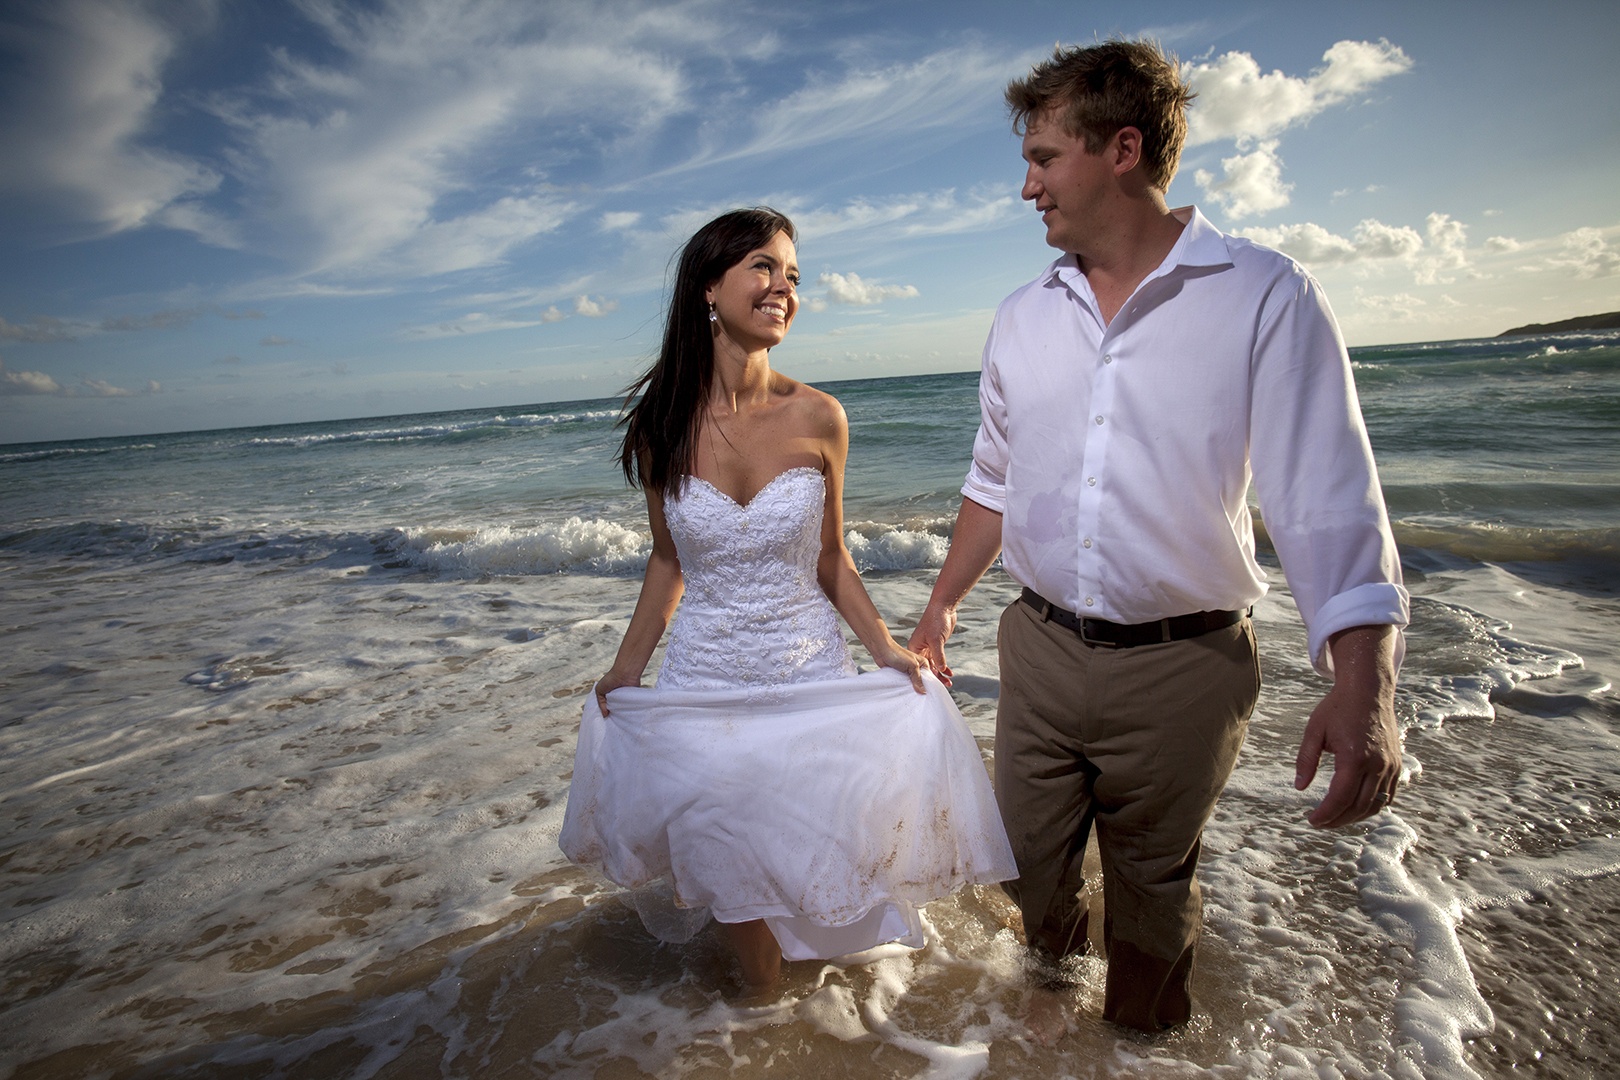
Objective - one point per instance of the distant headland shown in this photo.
(1611, 321)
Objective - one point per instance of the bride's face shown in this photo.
(756, 299)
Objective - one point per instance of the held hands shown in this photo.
(908, 663)
(928, 639)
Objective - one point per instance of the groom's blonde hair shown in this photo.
(1095, 91)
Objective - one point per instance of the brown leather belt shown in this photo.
(1121, 636)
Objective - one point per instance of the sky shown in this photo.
(223, 213)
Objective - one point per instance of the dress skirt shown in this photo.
(833, 810)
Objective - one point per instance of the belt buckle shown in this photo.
(1095, 643)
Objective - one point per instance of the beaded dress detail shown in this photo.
(753, 615)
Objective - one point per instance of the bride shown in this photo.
(811, 810)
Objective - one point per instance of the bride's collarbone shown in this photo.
(741, 464)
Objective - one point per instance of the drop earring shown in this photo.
(714, 316)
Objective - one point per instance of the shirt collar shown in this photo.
(1200, 244)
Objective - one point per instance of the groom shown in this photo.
(1127, 395)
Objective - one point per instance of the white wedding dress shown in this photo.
(762, 777)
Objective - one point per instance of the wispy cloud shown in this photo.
(80, 108)
(934, 213)
(942, 90)
(45, 328)
(474, 322)
(40, 329)
(154, 320)
(1394, 307)
(393, 157)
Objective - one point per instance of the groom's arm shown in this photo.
(975, 543)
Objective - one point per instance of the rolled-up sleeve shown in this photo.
(1314, 474)
(986, 482)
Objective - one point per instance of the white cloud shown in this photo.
(552, 315)
(1308, 242)
(593, 309)
(27, 382)
(617, 220)
(1447, 250)
(1440, 253)
(850, 289)
(1237, 101)
(1315, 246)
(1588, 254)
(38, 383)
(1252, 184)
(82, 103)
(1375, 240)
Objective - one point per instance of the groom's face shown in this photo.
(1066, 183)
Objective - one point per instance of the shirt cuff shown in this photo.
(1377, 603)
(991, 496)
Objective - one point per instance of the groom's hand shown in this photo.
(933, 630)
(1355, 723)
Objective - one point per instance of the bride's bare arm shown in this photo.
(835, 569)
(661, 589)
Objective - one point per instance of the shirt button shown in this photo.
(1086, 542)
(1091, 481)
(1108, 359)
(1099, 419)
(1090, 602)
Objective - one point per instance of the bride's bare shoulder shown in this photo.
(817, 408)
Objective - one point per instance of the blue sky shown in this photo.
(217, 213)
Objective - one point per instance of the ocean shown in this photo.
(287, 718)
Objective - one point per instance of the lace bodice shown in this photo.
(753, 613)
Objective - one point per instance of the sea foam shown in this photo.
(576, 544)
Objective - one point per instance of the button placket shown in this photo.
(1094, 458)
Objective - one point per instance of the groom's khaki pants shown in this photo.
(1139, 741)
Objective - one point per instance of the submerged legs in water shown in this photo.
(757, 951)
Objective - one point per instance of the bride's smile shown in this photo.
(754, 301)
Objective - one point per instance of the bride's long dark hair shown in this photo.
(661, 429)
